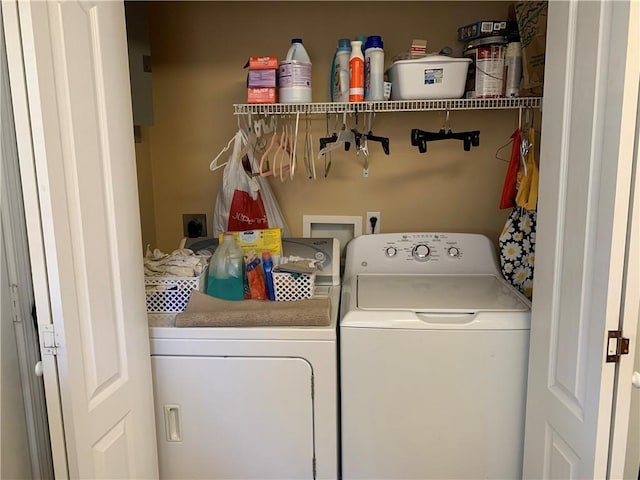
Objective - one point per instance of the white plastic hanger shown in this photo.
(282, 157)
(294, 158)
(261, 126)
(214, 163)
(246, 143)
(307, 156)
(264, 169)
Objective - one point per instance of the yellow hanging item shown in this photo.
(527, 196)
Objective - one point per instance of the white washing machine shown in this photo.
(250, 403)
(433, 360)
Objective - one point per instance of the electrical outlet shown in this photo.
(194, 225)
(372, 222)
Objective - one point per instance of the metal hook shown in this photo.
(520, 118)
(446, 127)
(528, 117)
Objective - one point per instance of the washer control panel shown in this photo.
(421, 253)
(423, 247)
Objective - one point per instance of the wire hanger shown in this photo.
(498, 157)
(525, 144)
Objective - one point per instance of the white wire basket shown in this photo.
(289, 287)
(171, 294)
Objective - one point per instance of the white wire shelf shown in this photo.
(390, 106)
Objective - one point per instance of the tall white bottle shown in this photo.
(340, 72)
(374, 69)
(294, 75)
(513, 69)
(356, 72)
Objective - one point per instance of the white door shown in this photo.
(258, 421)
(586, 158)
(76, 139)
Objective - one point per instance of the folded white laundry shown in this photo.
(310, 263)
(179, 263)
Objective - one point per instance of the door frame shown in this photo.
(15, 240)
(32, 223)
(35, 238)
(630, 306)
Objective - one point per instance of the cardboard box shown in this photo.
(261, 78)
(262, 95)
(418, 48)
(262, 63)
(485, 28)
(532, 24)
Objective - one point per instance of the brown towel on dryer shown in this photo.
(206, 311)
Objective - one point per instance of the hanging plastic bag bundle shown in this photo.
(245, 202)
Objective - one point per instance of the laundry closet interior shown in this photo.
(195, 102)
(197, 53)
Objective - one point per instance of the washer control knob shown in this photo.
(421, 251)
(453, 252)
(391, 251)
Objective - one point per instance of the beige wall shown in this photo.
(198, 50)
(145, 189)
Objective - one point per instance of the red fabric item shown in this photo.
(246, 213)
(509, 189)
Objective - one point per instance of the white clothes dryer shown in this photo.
(254, 402)
(433, 360)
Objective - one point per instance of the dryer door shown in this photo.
(233, 417)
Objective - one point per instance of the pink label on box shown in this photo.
(261, 78)
(261, 95)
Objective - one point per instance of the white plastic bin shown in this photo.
(289, 287)
(171, 294)
(430, 77)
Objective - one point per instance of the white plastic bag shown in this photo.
(245, 202)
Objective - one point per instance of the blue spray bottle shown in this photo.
(267, 266)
